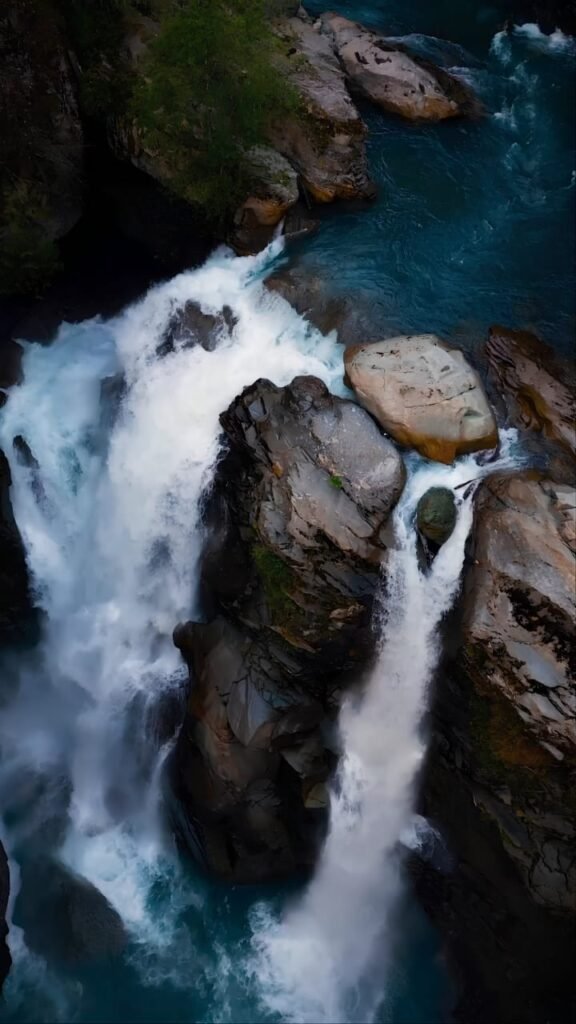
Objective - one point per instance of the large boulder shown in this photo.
(325, 139)
(501, 766)
(42, 158)
(315, 484)
(424, 394)
(65, 918)
(299, 533)
(538, 390)
(393, 78)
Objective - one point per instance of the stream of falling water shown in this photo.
(325, 960)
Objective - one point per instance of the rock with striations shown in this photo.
(393, 78)
(325, 140)
(539, 391)
(502, 760)
(424, 394)
(299, 524)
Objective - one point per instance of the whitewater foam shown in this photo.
(112, 536)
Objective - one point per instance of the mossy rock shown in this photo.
(436, 515)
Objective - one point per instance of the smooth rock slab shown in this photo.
(392, 78)
(424, 394)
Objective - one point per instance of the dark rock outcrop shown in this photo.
(16, 607)
(298, 536)
(65, 918)
(10, 363)
(42, 139)
(500, 777)
(5, 958)
(390, 76)
(538, 390)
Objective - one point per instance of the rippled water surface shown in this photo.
(474, 220)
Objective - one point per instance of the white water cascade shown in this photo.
(326, 960)
(109, 508)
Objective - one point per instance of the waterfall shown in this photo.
(109, 504)
(326, 960)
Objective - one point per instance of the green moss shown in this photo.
(277, 580)
(336, 481)
(28, 260)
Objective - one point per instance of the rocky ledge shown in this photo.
(500, 777)
(298, 537)
(397, 81)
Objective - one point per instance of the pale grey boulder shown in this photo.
(397, 81)
(424, 394)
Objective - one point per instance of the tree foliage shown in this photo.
(208, 88)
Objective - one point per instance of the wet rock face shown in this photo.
(273, 192)
(10, 363)
(388, 75)
(299, 522)
(325, 143)
(65, 918)
(424, 394)
(539, 392)
(520, 605)
(309, 292)
(317, 486)
(16, 607)
(436, 515)
(500, 779)
(5, 958)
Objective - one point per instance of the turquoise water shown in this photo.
(474, 220)
(470, 227)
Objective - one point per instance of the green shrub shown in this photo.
(336, 481)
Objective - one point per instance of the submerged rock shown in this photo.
(501, 764)
(65, 918)
(424, 394)
(399, 82)
(539, 391)
(299, 519)
(436, 515)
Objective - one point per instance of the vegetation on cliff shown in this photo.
(206, 93)
(194, 80)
